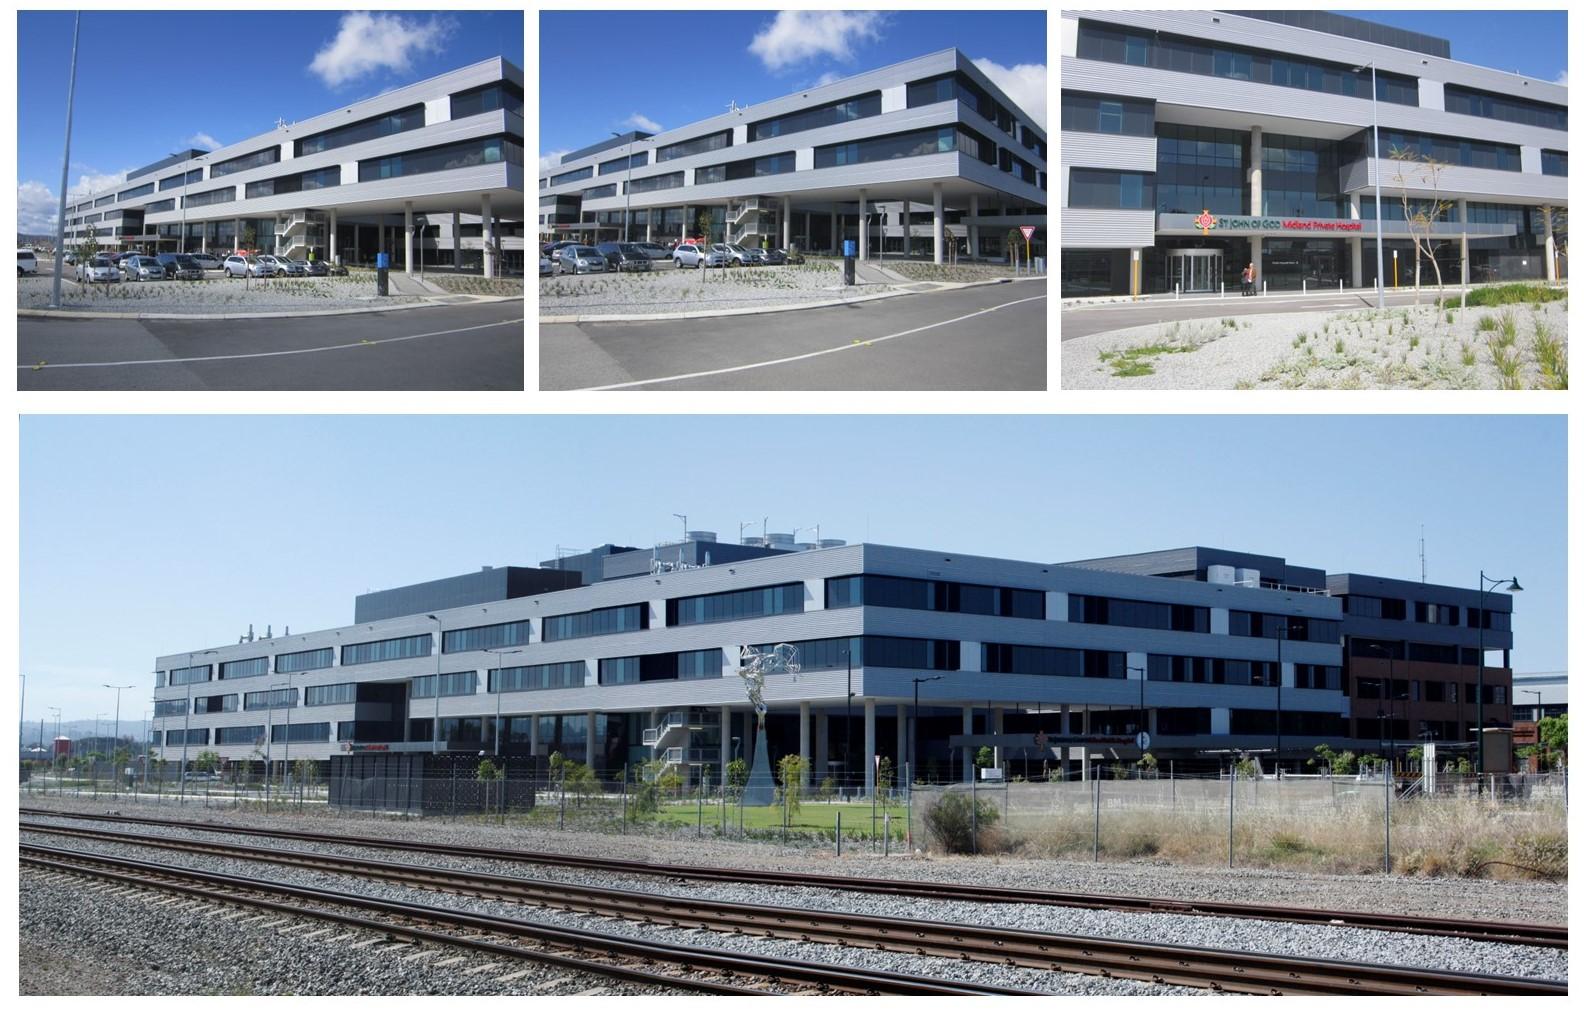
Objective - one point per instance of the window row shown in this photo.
(554, 676)
(876, 650)
(912, 144)
(220, 196)
(1405, 145)
(495, 635)
(773, 600)
(672, 665)
(174, 706)
(1431, 691)
(573, 176)
(330, 693)
(1553, 163)
(936, 596)
(845, 111)
(1289, 628)
(452, 684)
(1412, 651)
(252, 160)
(432, 160)
(507, 95)
(147, 188)
(265, 700)
(303, 661)
(1040, 660)
(190, 674)
(181, 179)
(767, 165)
(214, 705)
(316, 179)
(696, 146)
(245, 667)
(1114, 190)
(1100, 114)
(1116, 612)
(595, 622)
(647, 184)
(166, 205)
(387, 650)
(637, 160)
(1471, 102)
(400, 121)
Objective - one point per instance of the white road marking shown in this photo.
(360, 343)
(856, 343)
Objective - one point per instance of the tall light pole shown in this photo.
(500, 678)
(1380, 256)
(57, 736)
(1539, 711)
(60, 215)
(117, 740)
(847, 733)
(439, 654)
(913, 729)
(185, 173)
(1143, 715)
(22, 717)
(626, 187)
(1487, 584)
(1279, 681)
(285, 764)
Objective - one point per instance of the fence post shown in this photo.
(973, 807)
(888, 835)
(908, 767)
(838, 832)
(1390, 786)
(1097, 774)
(624, 800)
(561, 824)
(1231, 803)
(703, 787)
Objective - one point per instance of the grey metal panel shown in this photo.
(1425, 633)
(1255, 100)
(1107, 151)
(1226, 27)
(1476, 184)
(1094, 227)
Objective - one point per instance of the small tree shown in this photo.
(953, 820)
(737, 775)
(1553, 733)
(1422, 215)
(1148, 763)
(557, 765)
(207, 761)
(885, 778)
(791, 768)
(985, 758)
(487, 771)
(88, 248)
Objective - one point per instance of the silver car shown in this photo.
(577, 260)
(208, 262)
(687, 255)
(239, 266)
(743, 255)
(282, 265)
(100, 269)
(142, 267)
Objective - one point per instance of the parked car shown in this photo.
(775, 256)
(27, 263)
(654, 251)
(142, 267)
(100, 268)
(554, 249)
(284, 265)
(238, 266)
(792, 256)
(546, 266)
(316, 268)
(179, 266)
(687, 255)
(719, 256)
(208, 262)
(624, 257)
(71, 259)
(579, 259)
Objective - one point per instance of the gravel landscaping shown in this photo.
(689, 290)
(925, 271)
(1521, 345)
(1529, 902)
(212, 295)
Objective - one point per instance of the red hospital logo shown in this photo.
(1205, 222)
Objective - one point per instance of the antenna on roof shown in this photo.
(733, 107)
(280, 122)
(1421, 555)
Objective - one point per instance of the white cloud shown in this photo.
(551, 160)
(1562, 79)
(202, 140)
(638, 121)
(36, 208)
(93, 182)
(1025, 84)
(370, 42)
(829, 77)
(797, 36)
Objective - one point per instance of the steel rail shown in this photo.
(1175, 965)
(815, 975)
(1516, 933)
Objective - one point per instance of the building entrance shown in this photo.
(1193, 270)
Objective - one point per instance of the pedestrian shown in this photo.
(1245, 278)
(1253, 280)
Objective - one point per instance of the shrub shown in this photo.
(953, 817)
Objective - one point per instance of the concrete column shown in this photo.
(1066, 730)
(1356, 245)
(998, 726)
(649, 225)
(236, 234)
(902, 744)
(973, 230)
(686, 225)
(489, 238)
(967, 754)
(940, 225)
(786, 222)
(869, 747)
(1462, 206)
(588, 746)
(1256, 181)
(456, 240)
(835, 239)
(803, 739)
(907, 228)
(863, 225)
(822, 744)
(1255, 254)
(725, 743)
(407, 238)
(533, 735)
(1550, 246)
(332, 252)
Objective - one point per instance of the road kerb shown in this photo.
(46, 314)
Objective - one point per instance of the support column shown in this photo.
(334, 250)
(973, 229)
(786, 222)
(1256, 179)
(1255, 255)
(940, 225)
(649, 225)
(1356, 245)
(686, 226)
(407, 239)
(967, 754)
(869, 747)
(725, 742)
(236, 234)
(863, 225)
(1550, 246)
(835, 246)
(899, 774)
(1462, 206)
(588, 745)
(489, 238)
(907, 228)
(1066, 730)
(533, 735)
(803, 739)
(822, 744)
(456, 240)
(1135, 271)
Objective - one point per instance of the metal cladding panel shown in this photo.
(1107, 151)
(1222, 26)
(1415, 591)
(1253, 100)
(1477, 184)
(1097, 227)
(999, 688)
(1366, 627)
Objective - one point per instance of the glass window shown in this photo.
(220, 196)
(452, 684)
(880, 149)
(264, 700)
(190, 674)
(505, 95)
(239, 735)
(695, 146)
(498, 635)
(616, 165)
(646, 184)
(244, 667)
(1104, 188)
(554, 676)
(1110, 120)
(181, 179)
(330, 693)
(311, 732)
(430, 160)
(302, 661)
(410, 118)
(387, 650)
(1037, 660)
(768, 601)
(1553, 163)
(573, 176)
(844, 111)
(147, 188)
(164, 709)
(266, 156)
(1491, 106)
(612, 620)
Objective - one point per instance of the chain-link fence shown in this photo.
(161, 783)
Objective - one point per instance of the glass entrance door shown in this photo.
(1194, 270)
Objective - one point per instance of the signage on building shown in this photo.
(347, 747)
(1204, 223)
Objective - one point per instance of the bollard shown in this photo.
(888, 835)
(1305, 284)
(703, 786)
(1177, 289)
(1389, 787)
(838, 832)
(1223, 290)
(973, 807)
(1231, 802)
(1339, 285)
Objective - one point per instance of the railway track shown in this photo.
(697, 969)
(1523, 934)
(1166, 964)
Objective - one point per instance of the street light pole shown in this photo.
(500, 677)
(60, 215)
(1380, 256)
(185, 173)
(1280, 679)
(1479, 693)
(117, 740)
(626, 187)
(847, 737)
(913, 730)
(439, 653)
(187, 722)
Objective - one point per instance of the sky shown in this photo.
(1532, 43)
(753, 56)
(302, 64)
(143, 535)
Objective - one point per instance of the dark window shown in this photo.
(1492, 106)
(608, 190)
(497, 635)
(1492, 620)
(311, 732)
(909, 145)
(1408, 146)
(695, 146)
(1182, 722)
(302, 661)
(385, 651)
(844, 111)
(505, 95)
(198, 737)
(616, 165)
(826, 653)
(147, 188)
(1317, 677)
(938, 596)
(433, 160)
(101, 202)
(191, 674)
(1036, 660)
(214, 705)
(181, 179)
(315, 180)
(646, 184)
(244, 667)
(402, 120)
(164, 709)
(169, 205)
(330, 693)
(220, 196)
(266, 156)
(1553, 163)
(452, 684)
(910, 653)
(239, 735)
(265, 699)
(554, 676)
(1111, 189)
(613, 620)
(573, 176)
(1133, 613)
(769, 601)
(1292, 628)
(768, 165)
(1430, 612)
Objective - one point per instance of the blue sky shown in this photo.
(1533, 43)
(299, 64)
(148, 534)
(751, 56)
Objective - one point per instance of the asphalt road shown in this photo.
(986, 338)
(1085, 320)
(463, 347)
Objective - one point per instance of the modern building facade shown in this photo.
(431, 173)
(913, 158)
(1206, 651)
(1196, 142)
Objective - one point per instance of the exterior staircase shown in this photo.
(745, 220)
(291, 235)
(669, 739)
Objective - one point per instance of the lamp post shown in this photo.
(60, 214)
(1539, 711)
(626, 187)
(847, 735)
(913, 728)
(286, 763)
(500, 677)
(1143, 715)
(1282, 627)
(439, 653)
(117, 740)
(185, 173)
(57, 736)
(187, 722)
(1380, 256)
(1487, 584)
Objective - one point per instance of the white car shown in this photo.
(143, 267)
(27, 263)
(100, 269)
(545, 267)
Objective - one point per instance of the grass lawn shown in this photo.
(810, 817)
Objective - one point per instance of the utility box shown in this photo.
(382, 274)
(849, 264)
